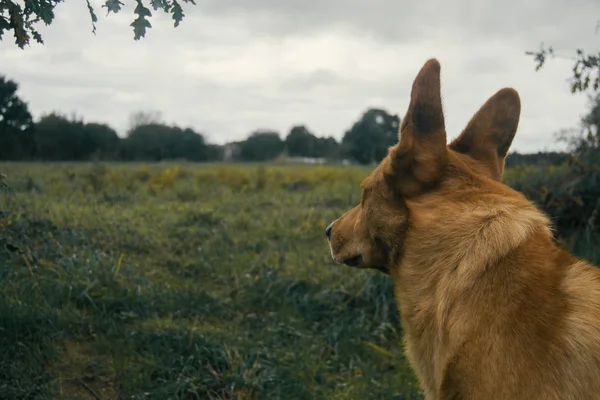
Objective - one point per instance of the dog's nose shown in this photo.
(328, 230)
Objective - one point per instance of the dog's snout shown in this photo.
(328, 230)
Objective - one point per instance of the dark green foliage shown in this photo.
(570, 195)
(16, 124)
(570, 191)
(261, 146)
(141, 23)
(102, 140)
(516, 159)
(370, 137)
(60, 138)
(300, 142)
(21, 20)
(156, 142)
(25, 349)
(586, 70)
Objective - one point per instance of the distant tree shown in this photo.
(300, 142)
(370, 137)
(586, 77)
(101, 141)
(327, 148)
(586, 69)
(59, 138)
(261, 146)
(584, 143)
(141, 118)
(188, 144)
(22, 20)
(570, 193)
(540, 158)
(591, 121)
(156, 142)
(16, 123)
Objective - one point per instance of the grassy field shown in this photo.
(183, 281)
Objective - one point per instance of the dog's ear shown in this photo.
(417, 162)
(489, 134)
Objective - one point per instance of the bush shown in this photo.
(569, 192)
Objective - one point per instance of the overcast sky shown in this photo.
(234, 66)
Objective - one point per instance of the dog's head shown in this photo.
(372, 234)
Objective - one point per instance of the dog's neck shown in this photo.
(473, 233)
(452, 242)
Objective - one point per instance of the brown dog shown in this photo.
(491, 307)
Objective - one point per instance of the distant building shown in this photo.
(306, 160)
(231, 151)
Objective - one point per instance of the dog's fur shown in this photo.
(491, 307)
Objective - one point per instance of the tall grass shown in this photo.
(184, 281)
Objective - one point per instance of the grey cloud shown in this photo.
(528, 21)
(313, 79)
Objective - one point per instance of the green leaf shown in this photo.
(141, 10)
(36, 36)
(141, 23)
(112, 6)
(177, 12)
(43, 10)
(4, 25)
(93, 16)
(18, 25)
(139, 27)
(163, 4)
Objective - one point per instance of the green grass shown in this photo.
(189, 281)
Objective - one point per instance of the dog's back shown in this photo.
(528, 329)
(542, 341)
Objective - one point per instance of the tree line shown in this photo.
(57, 137)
